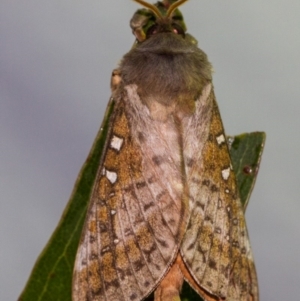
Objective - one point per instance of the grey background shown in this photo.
(56, 59)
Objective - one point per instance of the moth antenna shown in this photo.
(152, 7)
(174, 6)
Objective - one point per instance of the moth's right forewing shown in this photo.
(216, 248)
(136, 220)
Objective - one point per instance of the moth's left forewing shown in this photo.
(215, 248)
(137, 213)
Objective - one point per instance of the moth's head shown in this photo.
(162, 17)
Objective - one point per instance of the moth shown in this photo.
(165, 205)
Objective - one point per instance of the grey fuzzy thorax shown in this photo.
(167, 68)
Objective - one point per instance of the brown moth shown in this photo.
(165, 205)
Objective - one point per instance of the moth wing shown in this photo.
(134, 222)
(215, 248)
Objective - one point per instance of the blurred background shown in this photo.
(56, 59)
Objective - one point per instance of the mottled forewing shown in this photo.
(134, 222)
(216, 246)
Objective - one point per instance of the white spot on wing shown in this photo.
(113, 212)
(111, 176)
(116, 143)
(220, 139)
(226, 173)
(105, 249)
(81, 257)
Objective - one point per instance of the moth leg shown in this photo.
(170, 287)
(115, 79)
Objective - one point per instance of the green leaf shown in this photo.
(246, 151)
(51, 277)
